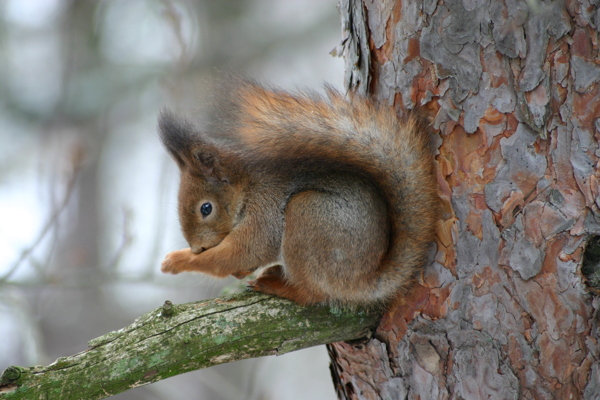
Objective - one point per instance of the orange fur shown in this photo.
(338, 194)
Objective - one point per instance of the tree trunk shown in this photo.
(503, 310)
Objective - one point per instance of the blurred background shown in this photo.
(88, 195)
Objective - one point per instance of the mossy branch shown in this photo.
(175, 339)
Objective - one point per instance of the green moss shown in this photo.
(197, 335)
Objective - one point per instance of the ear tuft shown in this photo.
(188, 147)
(177, 135)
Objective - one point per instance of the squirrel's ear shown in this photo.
(177, 136)
(187, 147)
(208, 164)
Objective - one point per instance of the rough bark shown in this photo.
(502, 311)
(176, 339)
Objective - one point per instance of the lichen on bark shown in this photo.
(188, 337)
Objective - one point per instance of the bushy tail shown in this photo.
(313, 131)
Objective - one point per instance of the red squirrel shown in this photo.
(336, 198)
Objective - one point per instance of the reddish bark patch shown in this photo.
(403, 311)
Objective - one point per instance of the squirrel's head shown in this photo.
(209, 199)
(207, 209)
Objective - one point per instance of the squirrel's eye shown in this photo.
(205, 209)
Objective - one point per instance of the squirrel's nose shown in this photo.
(197, 249)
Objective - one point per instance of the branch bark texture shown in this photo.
(176, 339)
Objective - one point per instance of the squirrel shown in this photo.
(336, 198)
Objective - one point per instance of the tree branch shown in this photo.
(175, 339)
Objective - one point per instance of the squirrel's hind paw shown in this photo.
(271, 281)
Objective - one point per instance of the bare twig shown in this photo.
(77, 157)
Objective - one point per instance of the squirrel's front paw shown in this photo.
(177, 261)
